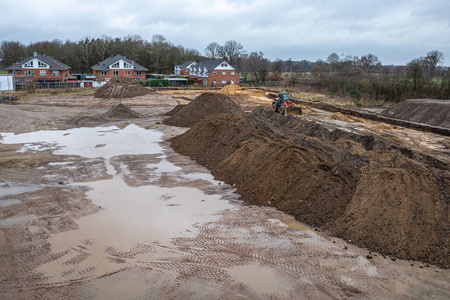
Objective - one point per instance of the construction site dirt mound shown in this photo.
(121, 87)
(352, 186)
(175, 110)
(427, 111)
(230, 89)
(120, 111)
(203, 105)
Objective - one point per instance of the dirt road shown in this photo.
(95, 208)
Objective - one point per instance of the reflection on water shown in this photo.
(130, 217)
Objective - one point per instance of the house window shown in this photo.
(214, 83)
(55, 73)
(232, 72)
(43, 73)
(127, 65)
(116, 73)
(29, 73)
(215, 72)
(29, 64)
(224, 81)
(138, 73)
(224, 73)
(224, 64)
(104, 73)
(115, 66)
(128, 73)
(41, 64)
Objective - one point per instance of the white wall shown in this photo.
(6, 83)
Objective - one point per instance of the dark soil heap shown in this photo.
(204, 105)
(121, 87)
(175, 110)
(354, 186)
(431, 112)
(120, 111)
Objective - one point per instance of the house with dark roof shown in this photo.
(118, 66)
(39, 67)
(214, 73)
(183, 69)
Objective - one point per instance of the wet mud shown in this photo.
(113, 212)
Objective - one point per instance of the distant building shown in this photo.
(118, 66)
(183, 70)
(212, 72)
(39, 67)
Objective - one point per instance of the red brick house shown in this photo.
(183, 70)
(41, 68)
(214, 73)
(119, 66)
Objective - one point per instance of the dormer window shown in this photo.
(29, 64)
(41, 64)
(223, 64)
(127, 65)
(116, 65)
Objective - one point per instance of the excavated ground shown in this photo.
(382, 196)
(428, 111)
(94, 207)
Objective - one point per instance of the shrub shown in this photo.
(354, 93)
(158, 82)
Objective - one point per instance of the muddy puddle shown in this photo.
(183, 234)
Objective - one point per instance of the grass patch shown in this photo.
(58, 92)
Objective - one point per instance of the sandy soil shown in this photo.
(76, 225)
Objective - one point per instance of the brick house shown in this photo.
(119, 66)
(214, 73)
(41, 68)
(183, 70)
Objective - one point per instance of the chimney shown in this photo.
(35, 54)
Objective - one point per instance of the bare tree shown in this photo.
(415, 71)
(289, 63)
(102, 46)
(369, 63)
(85, 48)
(433, 59)
(333, 60)
(12, 51)
(257, 65)
(212, 50)
(231, 51)
(278, 66)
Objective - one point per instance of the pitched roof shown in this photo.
(104, 65)
(185, 64)
(210, 65)
(51, 61)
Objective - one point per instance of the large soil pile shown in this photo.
(354, 186)
(120, 111)
(431, 112)
(230, 89)
(204, 105)
(121, 87)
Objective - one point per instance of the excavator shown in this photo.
(284, 105)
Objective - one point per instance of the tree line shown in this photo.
(158, 55)
(422, 77)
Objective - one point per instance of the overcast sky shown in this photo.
(397, 31)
